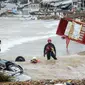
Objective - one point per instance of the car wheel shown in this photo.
(20, 58)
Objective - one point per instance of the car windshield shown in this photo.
(3, 61)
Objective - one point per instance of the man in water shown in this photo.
(50, 50)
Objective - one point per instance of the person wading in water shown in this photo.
(50, 50)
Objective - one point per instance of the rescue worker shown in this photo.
(50, 50)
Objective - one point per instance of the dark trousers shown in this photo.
(49, 54)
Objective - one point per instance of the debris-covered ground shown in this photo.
(47, 82)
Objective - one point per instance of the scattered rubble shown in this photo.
(47, 82)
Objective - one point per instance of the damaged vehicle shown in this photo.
(10, 66)
(12, 69)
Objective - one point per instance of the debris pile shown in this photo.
(47, 82)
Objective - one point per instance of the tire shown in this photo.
(20, 59)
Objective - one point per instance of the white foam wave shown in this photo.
(6, 46)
